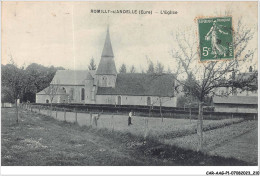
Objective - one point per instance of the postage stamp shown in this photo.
(215, 38)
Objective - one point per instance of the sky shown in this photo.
(67, 34)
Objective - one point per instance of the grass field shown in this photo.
(156, 128)
(42, 140)
(215, 137)
(243, 147)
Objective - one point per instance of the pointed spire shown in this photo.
(107, 64)
(107, 50)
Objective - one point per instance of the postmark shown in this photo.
(215, 38)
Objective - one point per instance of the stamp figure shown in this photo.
(216, 40)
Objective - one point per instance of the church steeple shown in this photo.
(107, 50)
(106, 72)
(107, 64)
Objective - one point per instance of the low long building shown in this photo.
(236, 104)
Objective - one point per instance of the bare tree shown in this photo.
(160, 92)
(150, 66)
(52, 92)
(14, 79)
(169, 70)
(208, 76)
(159, 67)
(132, 69)
(161, 101)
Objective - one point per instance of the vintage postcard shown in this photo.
(130, 84)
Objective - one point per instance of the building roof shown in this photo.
(107, 64)
(139, 84)
(72, 77)
(47, 91)
(236, 100)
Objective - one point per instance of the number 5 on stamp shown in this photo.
(215, 38)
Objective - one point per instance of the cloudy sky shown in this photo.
(67, 34)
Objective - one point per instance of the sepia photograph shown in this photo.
(130, 84)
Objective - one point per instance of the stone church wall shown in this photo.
(40, 98)
(136, 100)
(106, 80)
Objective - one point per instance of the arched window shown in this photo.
(119, 100)
(148, 101)
(82, 94)
(47, 101)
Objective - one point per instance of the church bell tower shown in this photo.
(106, 72)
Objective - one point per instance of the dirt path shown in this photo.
(243, 147)
(40, 140)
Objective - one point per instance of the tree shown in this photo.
(52, 91)
(132, 69)
(159, 67)
(201, 79)
(150, 67)
(92, 65)
(122, 69)
(14, 81)
(169, 70)
(38, 77)
(6, 95)
(156, 77)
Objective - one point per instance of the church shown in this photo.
(106, 86)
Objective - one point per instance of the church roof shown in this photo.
(72, 77)
(107, 64)
(47, 91)
(139, 84)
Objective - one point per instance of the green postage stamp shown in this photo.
(216, 39)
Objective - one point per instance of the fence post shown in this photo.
(190, 113)
(76, 115)
(232, 116)
(51, 111)
(112, 118)
(95, 121)
(90, 118)
(145, 128)
(56, 113)
(64, 114)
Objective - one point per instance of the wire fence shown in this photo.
(148, 111)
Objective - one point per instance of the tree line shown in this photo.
(152, 68)
(24, 82)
